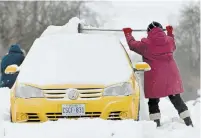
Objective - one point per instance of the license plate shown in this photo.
(73, 110)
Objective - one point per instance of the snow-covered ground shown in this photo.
(97, 128)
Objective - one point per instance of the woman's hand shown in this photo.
(127, 31)
(169, 29)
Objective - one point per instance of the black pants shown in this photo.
(176, 100)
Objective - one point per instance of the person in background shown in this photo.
(14, 56)
(164, 78)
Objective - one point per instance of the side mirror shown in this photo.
(141, 66)
(12, 69)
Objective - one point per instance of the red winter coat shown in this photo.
(157, 50)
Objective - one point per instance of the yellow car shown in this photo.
(72, 76)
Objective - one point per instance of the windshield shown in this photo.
(76, 58)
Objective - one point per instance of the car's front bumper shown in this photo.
(41, 109)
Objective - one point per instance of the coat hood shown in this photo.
(15, 49)
(157, 37)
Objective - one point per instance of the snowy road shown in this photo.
(98, 128)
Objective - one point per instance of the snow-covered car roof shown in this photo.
(75, 59)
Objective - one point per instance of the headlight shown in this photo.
(24, 91)
(121, 89)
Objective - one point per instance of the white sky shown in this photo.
(137, 14)
(143, 12)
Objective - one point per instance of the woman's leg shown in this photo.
(154, 111)
(181, 108)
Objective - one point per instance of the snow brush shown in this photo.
(81, 29)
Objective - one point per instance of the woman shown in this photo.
(164, 78)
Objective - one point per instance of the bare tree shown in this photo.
(23, 21)
(188, 52)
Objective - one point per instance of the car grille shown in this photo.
(56, 116)
(114, 116)
(84, 94)
(33, 117)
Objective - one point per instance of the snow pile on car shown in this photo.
(70, 27)
(75, 59)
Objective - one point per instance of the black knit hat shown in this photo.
(154, 24)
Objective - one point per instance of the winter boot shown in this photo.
(186, 117)
(157, 122)
(188, 121)
(156, 118)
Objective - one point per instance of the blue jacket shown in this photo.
(14, 56)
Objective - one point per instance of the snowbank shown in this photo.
(4, 109)
(4, 103)
(96, 128)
